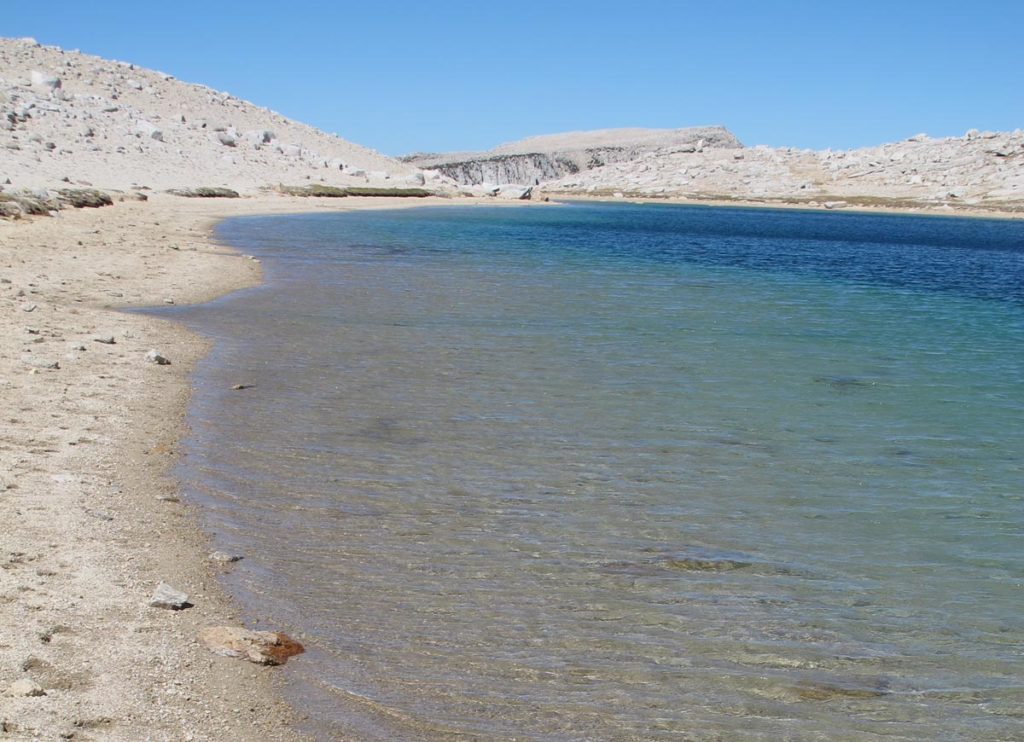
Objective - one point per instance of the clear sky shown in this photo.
(436, 75)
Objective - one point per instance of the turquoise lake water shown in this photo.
(621, 472)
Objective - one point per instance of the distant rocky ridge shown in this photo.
(537, 159)
(68, 118)
(978, 170)
(74, 127)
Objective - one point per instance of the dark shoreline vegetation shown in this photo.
(326, 191)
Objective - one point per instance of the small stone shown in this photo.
(29, 307)
(154, 357)
(168, 498)
(25, 687)
(105, 339)
(225, 557)
(239, 387)
(166, 596)
(39, 363)
(261, 647)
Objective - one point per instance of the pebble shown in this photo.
(29, 307)
(154, 357)
(167, 597)
(223, 556)
(40, 363)
(105, 339)
(239, 387)
(25, 687)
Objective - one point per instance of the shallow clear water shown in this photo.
(627, 472)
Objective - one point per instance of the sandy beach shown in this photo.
(94, 521)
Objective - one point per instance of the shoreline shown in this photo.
(95, 517)
(965, 212)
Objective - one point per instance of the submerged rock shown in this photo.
(809, 690)
(704, 564)
(844, 383)
(261, 647)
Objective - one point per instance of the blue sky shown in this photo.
(401, 76)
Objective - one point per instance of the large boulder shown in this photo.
(42, 81)
(515, 192)
(145, 129)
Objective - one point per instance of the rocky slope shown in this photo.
(979, 169)
(538, 159)
(67, 117)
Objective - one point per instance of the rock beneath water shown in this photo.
(261, 647)
(809, 690)
(704, 564)
(26, 687)
(225, 557)
(154, 357)
(167, 597)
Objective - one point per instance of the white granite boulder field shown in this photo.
(68, 117)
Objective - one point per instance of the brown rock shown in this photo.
(261, 647)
